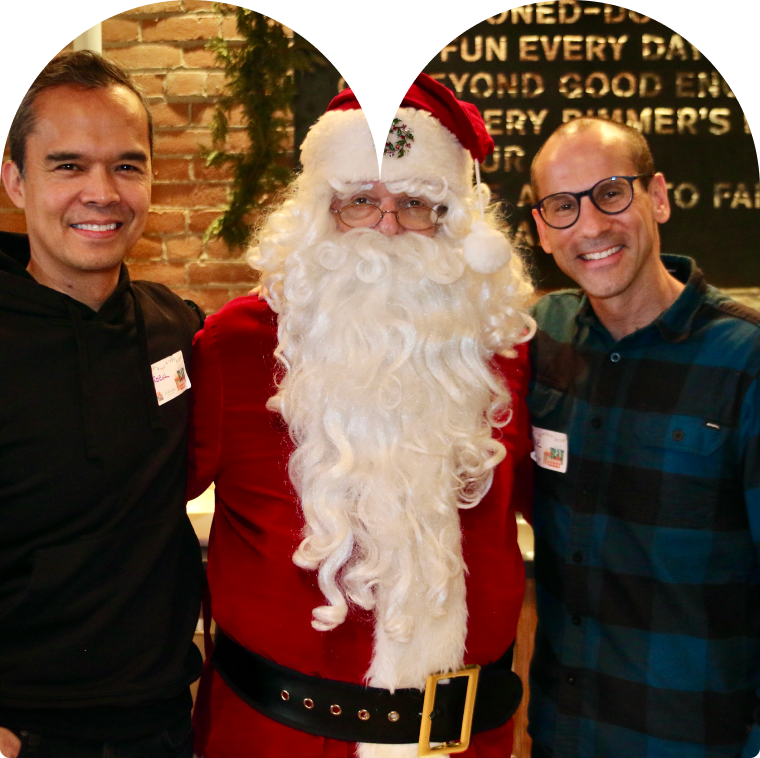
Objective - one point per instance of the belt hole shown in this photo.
(308, 703)
(336, 710)
(285, 695)
(393, 716)
(364, 715)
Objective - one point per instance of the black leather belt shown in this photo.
(354, 713)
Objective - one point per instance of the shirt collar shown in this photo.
(675, 323)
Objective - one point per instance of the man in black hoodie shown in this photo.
(100, 571)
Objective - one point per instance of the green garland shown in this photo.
(260, 77)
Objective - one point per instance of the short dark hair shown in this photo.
(638, 147)
(82, 68)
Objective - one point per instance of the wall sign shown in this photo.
(533, 67)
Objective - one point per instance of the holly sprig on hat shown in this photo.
(403, 140)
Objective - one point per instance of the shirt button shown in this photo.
(615, 357)
(571, 679)
(596, 423)
(678, 435)
(578, 557)
(576, 620)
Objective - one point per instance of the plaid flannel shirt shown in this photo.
(648, 545)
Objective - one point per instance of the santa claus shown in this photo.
(364, 421)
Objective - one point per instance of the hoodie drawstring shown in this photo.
(92, 446)
(147, 374)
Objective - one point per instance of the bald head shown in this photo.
(611, 134)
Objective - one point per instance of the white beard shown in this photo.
(390, 400)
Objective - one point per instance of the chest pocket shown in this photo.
(683, 434)
(699, 486)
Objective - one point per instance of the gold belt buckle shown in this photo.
(424, 748)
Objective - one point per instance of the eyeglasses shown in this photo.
(562, 209)
(415, 218)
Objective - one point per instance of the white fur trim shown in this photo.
(339, 149)
(486, 250)
(376, 750)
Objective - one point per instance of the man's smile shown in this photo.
(602, 254)
(98, 227)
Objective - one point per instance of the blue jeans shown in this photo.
(174, 742)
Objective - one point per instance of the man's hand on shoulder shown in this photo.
(199, 312)
(259, 291)
(10, 745)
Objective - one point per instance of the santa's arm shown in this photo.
(204, 442)
(516, 435)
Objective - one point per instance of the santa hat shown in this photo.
(434, 136)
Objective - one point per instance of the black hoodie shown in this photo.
(100, 570)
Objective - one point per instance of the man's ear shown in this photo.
(13, 183)
(658, 191)
(541, 226)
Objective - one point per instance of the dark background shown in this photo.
(576, 35)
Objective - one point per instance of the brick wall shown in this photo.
(163, 45)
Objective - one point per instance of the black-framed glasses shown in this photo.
(613, 195)
(415, 218)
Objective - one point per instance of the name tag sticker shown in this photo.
(550, 449)
(170, 377)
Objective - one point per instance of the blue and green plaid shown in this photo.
(648, 547)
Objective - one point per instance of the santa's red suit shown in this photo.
(260, 598)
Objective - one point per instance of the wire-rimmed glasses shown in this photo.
(415, 217)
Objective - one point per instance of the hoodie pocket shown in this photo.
(82, 587)
(116, 602)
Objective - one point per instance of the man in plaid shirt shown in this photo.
(646, 415)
